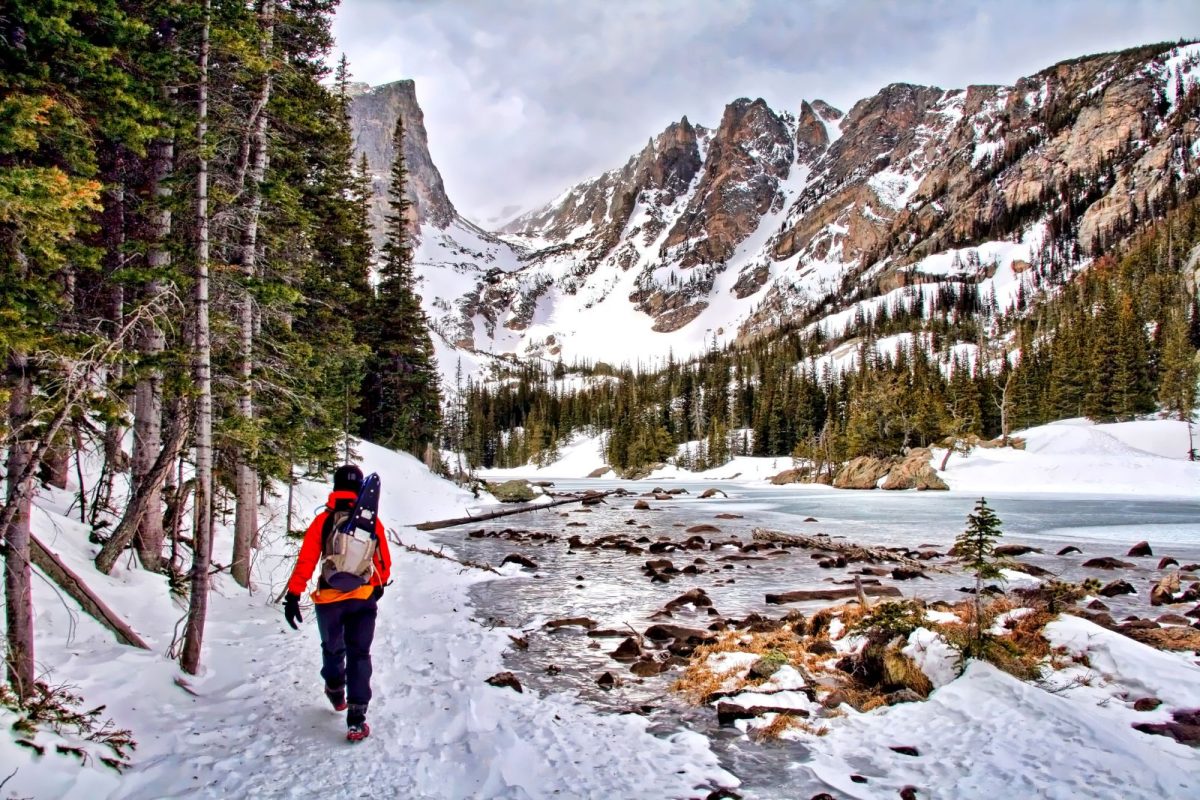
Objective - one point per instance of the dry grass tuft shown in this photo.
(900, 670)
(1028, 633)
(699, 681)
(1022, 652)
(861, 697)
(849, 613)
(775, 728)
(783, 723)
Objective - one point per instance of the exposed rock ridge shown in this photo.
(373, 115)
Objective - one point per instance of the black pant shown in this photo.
(347, 629)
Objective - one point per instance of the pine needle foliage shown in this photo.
(976, 546)
(402, 403)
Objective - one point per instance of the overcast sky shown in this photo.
(523, 98)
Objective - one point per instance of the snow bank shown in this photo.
(988, 734)
(1144, 457)
(1134, 669)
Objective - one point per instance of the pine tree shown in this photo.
(65, 94)
(202, 353)
(976, 546)
(1178, 368)
(403, 394)
(246, 476)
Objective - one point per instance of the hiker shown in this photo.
(345, 601)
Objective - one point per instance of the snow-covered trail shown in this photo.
(261, 726)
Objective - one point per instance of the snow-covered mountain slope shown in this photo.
(776, 220)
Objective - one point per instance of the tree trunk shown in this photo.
(113, 220)
(202, 516)
(435, 525)
(287, 525)
(176, 501)
(1004, 409)
(245, 524)
(148, 399)
(73, 585)
(56, 465)
(18, 600)
(78, 442)
(145, 494)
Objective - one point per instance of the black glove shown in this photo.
(291, 610)
(377, 593)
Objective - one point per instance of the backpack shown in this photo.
(348, 542)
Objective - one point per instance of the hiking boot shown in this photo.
(356, 722)
(356, 733)
(337, 697)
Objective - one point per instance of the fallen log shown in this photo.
(589, 498)
(851, 551)
(435, 554)
(831, 594)
(54, 569)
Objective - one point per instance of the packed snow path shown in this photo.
(262, 727)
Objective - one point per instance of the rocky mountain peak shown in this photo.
(811, 136)
(750, 153)
(773, 219)
(597, 210)
(373, 120)
(826, 111)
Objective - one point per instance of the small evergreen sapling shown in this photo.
(977, 548)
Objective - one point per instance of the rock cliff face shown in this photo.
(780, 220)
(750, 154)
(373, 115)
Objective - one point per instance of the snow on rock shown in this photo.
(736, 663)
(936, 658)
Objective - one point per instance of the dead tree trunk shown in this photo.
(450, 523)
(1004, 405)
(18, 599)
(113, 222)
(851, 551)
(245, 524)
(72, 584)
(55, 468)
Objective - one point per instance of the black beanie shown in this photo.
(347, 478)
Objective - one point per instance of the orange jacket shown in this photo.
(310, 554)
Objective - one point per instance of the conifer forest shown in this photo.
(187, 259)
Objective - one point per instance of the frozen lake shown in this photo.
(610, 587)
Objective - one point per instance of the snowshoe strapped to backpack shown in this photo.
(350, 541)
